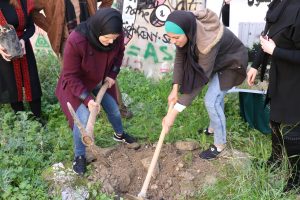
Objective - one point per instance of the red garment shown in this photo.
(83, 68)
(20, 65)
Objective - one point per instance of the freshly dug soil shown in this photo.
(180, 174)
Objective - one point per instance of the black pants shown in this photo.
(291, 139)
(286, 141)
(277, 144)
(35, 107)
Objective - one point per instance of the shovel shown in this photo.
(142, 195)
(87, 134)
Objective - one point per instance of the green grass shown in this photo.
(27, 149)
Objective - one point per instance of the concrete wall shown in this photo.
(147, 47)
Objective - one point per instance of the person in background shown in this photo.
(281, 42)
(206, 51)
(93, 55)
(60, 18)
(225, 11)
(19, 78)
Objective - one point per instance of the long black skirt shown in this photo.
(8, 86)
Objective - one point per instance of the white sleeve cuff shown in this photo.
(179, 107)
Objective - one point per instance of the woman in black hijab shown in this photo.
(93, 54)
(281, 42)
(102, 29)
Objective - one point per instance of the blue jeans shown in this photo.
(214, 103)
(112, 111)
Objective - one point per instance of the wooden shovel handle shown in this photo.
(76, 119)
(101, 92)
(154, 158)
(87, 134)
(92, 117)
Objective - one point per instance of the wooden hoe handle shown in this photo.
(154, 158)
(87, 134)
(92, 118)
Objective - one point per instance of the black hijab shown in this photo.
(105, 21)
(194, 76)
(276, 8)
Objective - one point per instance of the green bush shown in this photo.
(49, 69)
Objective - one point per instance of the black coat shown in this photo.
(284, 82)
(225, 14)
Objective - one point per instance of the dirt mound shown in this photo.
(178, 175)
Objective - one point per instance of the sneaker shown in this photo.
(210, 153)
(205, 131)
(79, 165)
(124, 138)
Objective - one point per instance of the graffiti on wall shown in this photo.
(257, 2)
(184, 4)
(148, 48)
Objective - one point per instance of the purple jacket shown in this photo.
(83, 68)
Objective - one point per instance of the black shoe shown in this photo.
(125, 112)
(274, 162)
(205, 131)
(124, 138)
(292, 184)
(42, 121)
(79, 165)
(210, 153)
(38, 119)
